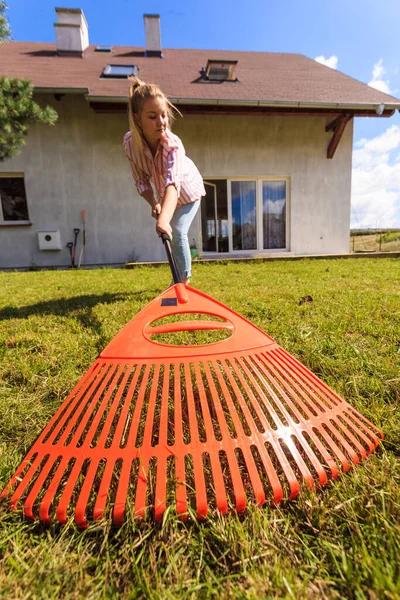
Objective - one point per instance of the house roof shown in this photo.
(263, 78)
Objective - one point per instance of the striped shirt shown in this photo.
(170, 166)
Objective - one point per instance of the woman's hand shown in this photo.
(163, 226)
(155, 212)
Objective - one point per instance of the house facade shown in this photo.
(271, 135)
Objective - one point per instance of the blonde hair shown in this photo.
(139, 92)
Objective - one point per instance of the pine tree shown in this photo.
(17, 107)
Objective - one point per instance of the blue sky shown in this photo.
(358, 37)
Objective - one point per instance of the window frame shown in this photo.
(259, 211)
(21, 222)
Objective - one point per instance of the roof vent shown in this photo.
(72, 34)
(153, 35)
(220, 70)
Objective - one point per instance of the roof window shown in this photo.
(120, 71)
(103, 49)
(220, 70)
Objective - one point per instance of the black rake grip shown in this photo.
(171, 259)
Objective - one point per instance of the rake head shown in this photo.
(208, 426)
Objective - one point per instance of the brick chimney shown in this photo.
(72, 34)
(153, 35)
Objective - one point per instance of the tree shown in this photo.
(4, 27)
(17, 107)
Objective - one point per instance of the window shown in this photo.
(13, 205)
(245, 215)
(218, 70)
(120, 71)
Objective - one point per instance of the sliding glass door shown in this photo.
(274, 214)
(214, 216)
(244, 215)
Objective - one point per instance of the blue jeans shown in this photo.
(180, 223)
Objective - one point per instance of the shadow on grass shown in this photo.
(64, 306)
(82, 307)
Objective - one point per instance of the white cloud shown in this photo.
(331, 62)
(375, 197)
(377, 80)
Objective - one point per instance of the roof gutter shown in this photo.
(59, 90)
(288, 104)
(226, 101)
(258, 103)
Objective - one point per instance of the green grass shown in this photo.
(340, 542)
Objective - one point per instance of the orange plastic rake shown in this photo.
(205, 425)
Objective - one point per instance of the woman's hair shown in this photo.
(139, 92)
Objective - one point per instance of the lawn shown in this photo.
(339, 542)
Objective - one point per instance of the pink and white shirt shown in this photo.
(169, 166)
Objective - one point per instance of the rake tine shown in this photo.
(51, 491)
(263, 398)
(200, 487)
(28, 504)
(160, 497)
(331, 424)
(25, 481)
(141, 490)
(61, 512)
(181, 499)
(281, 371)
(122, 421)
(335, 448)
(121, 496)
(258, 488)
(131, 441)
(101, 499)
(330, 463)
(62, 419)
(219, 485)
(359, 431)
(237, 483)
(82, 502)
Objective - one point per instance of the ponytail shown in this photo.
(139, 92)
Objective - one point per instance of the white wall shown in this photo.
(258, 146)
(80, 164)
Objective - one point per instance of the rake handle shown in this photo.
(172, 264)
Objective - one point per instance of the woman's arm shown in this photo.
(168, 208)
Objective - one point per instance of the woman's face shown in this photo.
(153, 119)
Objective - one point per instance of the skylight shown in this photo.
(221, 70)
(103, 48)
(120, 71)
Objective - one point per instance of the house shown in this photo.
(271, 134)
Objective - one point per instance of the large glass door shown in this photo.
(214, 216)
(244, 215)
(274, 214)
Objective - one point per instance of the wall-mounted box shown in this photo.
(49, 239)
